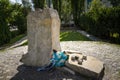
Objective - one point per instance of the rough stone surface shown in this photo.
(90, 67)
(43, 27)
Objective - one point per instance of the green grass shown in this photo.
(17, 38)
(12, 41)
(72, 36)
(68, 36)
(25, 43)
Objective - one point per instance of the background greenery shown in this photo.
(102, 21)
(11, 16)
(72, 36)
(99, 20)
(64, 36)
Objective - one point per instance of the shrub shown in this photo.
(4, 34)
(21, 22)
(4, 17)
(104, 22)
(14, 33)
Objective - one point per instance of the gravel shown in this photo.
(12, 69)
(106, 52)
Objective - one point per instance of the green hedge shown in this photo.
(14, 33)
(104, 22)
(11, 15)
(4, 34)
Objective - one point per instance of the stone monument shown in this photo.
(43, 28)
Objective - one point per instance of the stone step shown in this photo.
(85, 65)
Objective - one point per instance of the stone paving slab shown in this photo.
(90, 67)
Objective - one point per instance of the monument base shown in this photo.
(85, 65)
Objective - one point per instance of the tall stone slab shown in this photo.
(43, 27)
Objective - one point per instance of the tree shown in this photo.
(66, 11)
(5, 13)
(39, 3)
(26, 3)
(95, 7)
(69, 8)
(57, 4)
(77, 9)
(115, 2)
(19, 14)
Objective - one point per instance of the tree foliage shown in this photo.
(5, 12)
(66, 11)
(57, 4)
(19, 14)
(11, 15)
(77, 9)
(39, 3)
(115, 2)
(102, 21)
(26, 4)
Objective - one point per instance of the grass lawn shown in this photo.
(69, 36)
(17, 38)
(72, 36)
(12, 41)
(64, 36)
